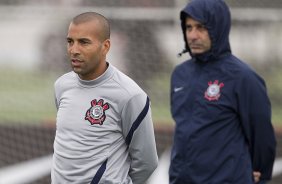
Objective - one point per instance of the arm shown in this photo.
(255, 114)
(139, 133)
(57, 90)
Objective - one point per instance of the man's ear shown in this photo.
(106, 46)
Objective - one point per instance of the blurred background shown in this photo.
(146, 38)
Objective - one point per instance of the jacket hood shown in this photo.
(215, 16)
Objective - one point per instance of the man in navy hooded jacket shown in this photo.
(223, 131)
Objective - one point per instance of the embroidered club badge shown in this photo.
(96, 113)
(213, 91)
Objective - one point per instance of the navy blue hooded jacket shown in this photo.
(222, 112)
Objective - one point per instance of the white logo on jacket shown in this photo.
(176, 89)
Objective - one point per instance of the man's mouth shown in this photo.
(76, 62)
(195, 46)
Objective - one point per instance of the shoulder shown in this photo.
(183, 68)
(126, 84)
(237, 66)
(65, 80)
(184, 65)
(242, 71)
(65, 76)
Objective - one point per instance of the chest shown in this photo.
(88, 112)
(203, 91)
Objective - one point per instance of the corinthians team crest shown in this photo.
(96, 113)
(213, 91)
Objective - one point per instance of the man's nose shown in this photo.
(74, 49)
(193, 34)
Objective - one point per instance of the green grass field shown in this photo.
(28, 97)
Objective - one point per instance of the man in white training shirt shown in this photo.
(104, 129)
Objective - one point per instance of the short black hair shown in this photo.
(90, 16)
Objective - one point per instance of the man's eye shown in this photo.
(84, 42)
(188, 28)
(69, 41)
(202, 27)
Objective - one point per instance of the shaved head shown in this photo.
(102, 23)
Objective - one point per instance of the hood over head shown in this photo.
(215, 16)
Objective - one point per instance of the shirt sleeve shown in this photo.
(255, 114)
(56, 100)
(139, 135)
